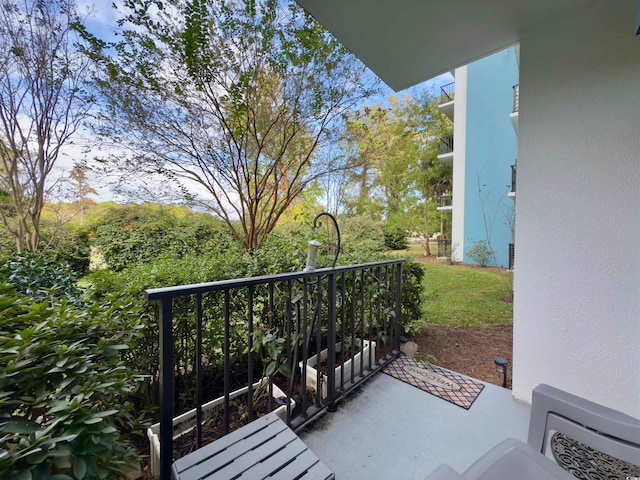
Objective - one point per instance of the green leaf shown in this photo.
(285, 370)
(23, 475)
(19, 426)
(37, 456)
(92, 420)
(106, 413)
(271, 369)
(80, 468)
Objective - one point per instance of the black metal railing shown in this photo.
(268, 333)
(446, 92)
(513, 178)
(446, 144)
(512, 255)
(516, 98)
(446, 200)
(444, 248)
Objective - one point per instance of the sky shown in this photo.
(102, 20)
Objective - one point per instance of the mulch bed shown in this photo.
(469, 351)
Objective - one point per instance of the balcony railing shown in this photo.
(444, 248)
(516, 98)
(513, 178)
(264, 332)
(512, 255)
(446, 92)
(446, 144)
(446, 201)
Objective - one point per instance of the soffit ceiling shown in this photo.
(408, 41)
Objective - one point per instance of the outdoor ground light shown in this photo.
(501, 367)
(312, 255)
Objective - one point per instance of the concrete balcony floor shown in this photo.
(389, 429)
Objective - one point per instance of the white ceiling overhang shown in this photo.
(408, 41)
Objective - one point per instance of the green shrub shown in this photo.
(40, 278)
(480, 253)
(362, 233)
(395, 238)
(64, 384)
(412, 275)
(132, 234)
(70, 246)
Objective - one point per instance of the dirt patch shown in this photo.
(469, 351)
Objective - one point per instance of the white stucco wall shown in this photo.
(459, 162)
(577, 281)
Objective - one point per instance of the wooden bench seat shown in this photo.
(264, 449)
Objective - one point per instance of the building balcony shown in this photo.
(446, 150)
(512, 193)
(262, 334)
(319, 315)
(446, 203)
(391, 427)
(516, 108)
(446, 100)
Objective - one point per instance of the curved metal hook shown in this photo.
(335, 226)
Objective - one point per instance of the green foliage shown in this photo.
(425, 358)
(395, 237)
(412, 276)
(70, 246)
(132, 234)
(64, 387)
(261, 86)
(393, 149)
(362, 233)
(40, 278)
(480, 253)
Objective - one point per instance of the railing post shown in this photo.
(166, 387)
(331, 338)
(397, 324)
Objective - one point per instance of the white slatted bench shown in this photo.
(264, 449)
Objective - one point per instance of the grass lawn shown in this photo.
(456, 295)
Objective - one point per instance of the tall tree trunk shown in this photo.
(427, 248)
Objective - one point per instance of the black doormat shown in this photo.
(443, 383)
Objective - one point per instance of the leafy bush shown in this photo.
(361, 233)
(40, 278)
(64, 384)
(412, 275)
(68, 245)
(480, 253)
(395, 238)
(132, 234)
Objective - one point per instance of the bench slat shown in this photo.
(222, 443)
(306, 462)
(270, 467)
(253, 455)
(265, 448)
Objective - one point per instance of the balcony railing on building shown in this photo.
(446, 201)
(512, 255)
(270, 334)
(447, 92)
(513, 178)
(446, 145)
(444, 248)
(516, 98)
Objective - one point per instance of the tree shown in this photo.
(42, 102)
(233, 98)
(395, 149)
(81, 189)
